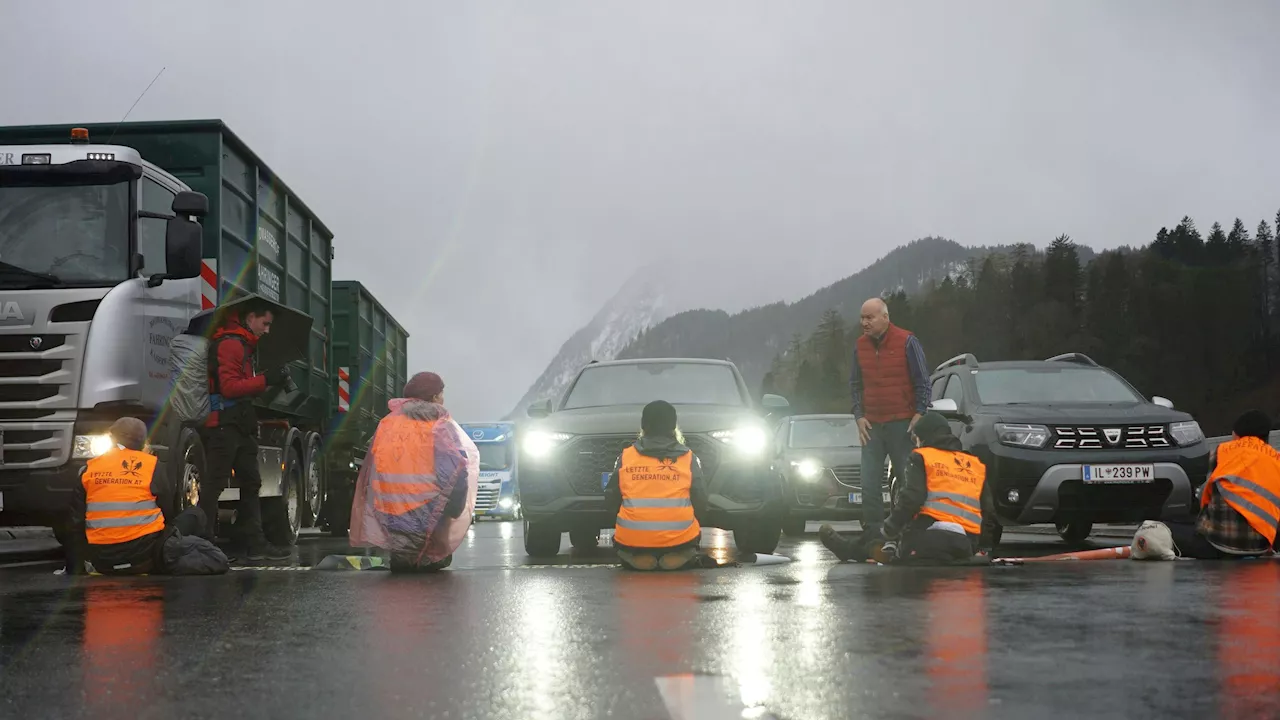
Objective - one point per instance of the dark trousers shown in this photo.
(892, 440)
(144, 555)
(1192, 544)
(230, 448)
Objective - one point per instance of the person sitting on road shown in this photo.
(656, 492)
(122, 510)
(938, 517)
(1240, 504)
(416, 491)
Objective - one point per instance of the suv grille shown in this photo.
(1114, 437)
(587, 459)
(851, 475)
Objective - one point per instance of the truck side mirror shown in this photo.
(182, 245)
(188, 203)
(539, 409)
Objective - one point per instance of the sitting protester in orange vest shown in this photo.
(656, 491)
(1240, 504)
(416, 492)
(938, 515)
(120, 508)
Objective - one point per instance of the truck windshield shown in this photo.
(1018, 386)
(642, 383)
(493, 456)
(824, 433)
(64, 235)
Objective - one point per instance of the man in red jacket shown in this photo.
(231, 431)
(889, 382)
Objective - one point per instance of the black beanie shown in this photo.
(658, 419)
(931, 426)
(1253, 423)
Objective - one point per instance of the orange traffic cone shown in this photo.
(1115, 553)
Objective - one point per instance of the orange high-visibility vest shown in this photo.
(955, 482)
(404, 464)
(656, 511)
(1248, 478)
(119, 506)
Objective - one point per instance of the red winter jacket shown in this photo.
(234, 346)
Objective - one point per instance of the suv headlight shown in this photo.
(807, 469)
(749, 439)
(1028, 436)
(91, 446)
(539, 444)
(1186, 433)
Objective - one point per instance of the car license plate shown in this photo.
(1, 502)
(1119, 473)
(855, 497)
(604, 480)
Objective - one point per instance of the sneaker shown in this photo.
(268, 551)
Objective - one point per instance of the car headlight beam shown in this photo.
(748, 439)
(91, 446)
(808, 469)
(539, 444)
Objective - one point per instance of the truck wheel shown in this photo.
(761, 538)
(313, 482)
(541, 540)
(282, 516)
(794, 526)
(584, 538)
(191, 470)
(1074, 532)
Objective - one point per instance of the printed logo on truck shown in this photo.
(10, 310)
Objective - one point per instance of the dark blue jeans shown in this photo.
(892, 440)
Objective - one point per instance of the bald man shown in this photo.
(122, 509)
(889, 382)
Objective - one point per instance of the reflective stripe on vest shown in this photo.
(955, 481)
(656, 511)
(119, 506)
(1248, 478)
(403, 473)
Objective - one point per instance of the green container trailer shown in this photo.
(257, 236)
(369, 360)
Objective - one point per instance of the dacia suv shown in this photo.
(1069, 442)
(568, 452)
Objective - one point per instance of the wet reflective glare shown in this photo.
(499, 637)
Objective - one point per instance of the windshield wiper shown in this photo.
(52, 280)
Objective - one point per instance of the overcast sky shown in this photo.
(493, 170)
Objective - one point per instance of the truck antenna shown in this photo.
(135, 104)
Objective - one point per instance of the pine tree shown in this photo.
(1216, 250)
(1238, 240)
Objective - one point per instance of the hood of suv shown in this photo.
(1086, 413)
(826, 457)
(625, 419)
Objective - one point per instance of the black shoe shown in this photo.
(839, 546)
(268, 551)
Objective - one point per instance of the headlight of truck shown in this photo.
(1028, 436)
(91, 446)
(539, 444)
(749, 439)
(1186, 433)
(807, 469)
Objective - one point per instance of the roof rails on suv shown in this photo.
(966, 358)
(1074, 357)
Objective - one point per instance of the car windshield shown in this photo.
(68, 234)
(494, 455)
(824, 433)
(1014, 386)
(642, 383)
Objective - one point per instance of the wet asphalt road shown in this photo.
(498, 637)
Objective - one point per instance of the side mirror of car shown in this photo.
(183, 240)
(187, 203)
(539, 409)
(1162, 402)
(775, 405)
(945, 407)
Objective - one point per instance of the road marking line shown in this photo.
(267, 567)
(704, 697)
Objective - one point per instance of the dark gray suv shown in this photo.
(568, 450)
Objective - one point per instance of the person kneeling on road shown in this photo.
(656, 491)
(123, 514)
(416, 491)
(939, 512)
(1240, 504)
